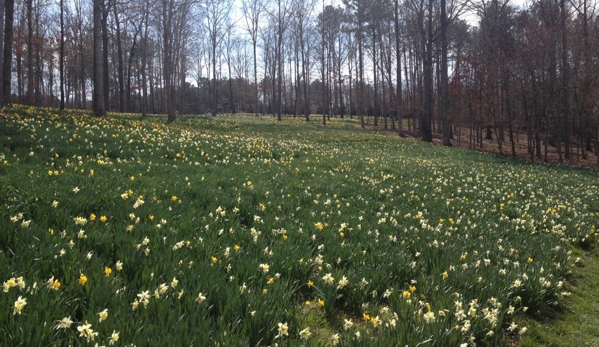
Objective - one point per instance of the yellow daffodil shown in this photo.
(19, 305)
(103, 315)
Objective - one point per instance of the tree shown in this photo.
(98, 68)
(279, 19)
(359, 10)
(565, 82)
(30, 72)
(7, 58)
(217, 24)
(303, 33)
(252, 10)
(427, 74)
(398, 89)
(61, 55)
(2, 13)
(444, 78)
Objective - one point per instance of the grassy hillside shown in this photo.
(238, 231)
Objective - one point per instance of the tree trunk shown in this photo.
(376, 84)
(427, 77)
(565, 82)
(105, 10)
(2, 10)
(361, 73)
(30, 72)
(446, 126)
(398, 92)
(98, 96)
(7, 59)
(61, 56)
(121, 69)
(167, 15)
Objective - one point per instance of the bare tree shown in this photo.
(98, 68)
(446, 130)
(427, 73)
(302, 10)
(217, 24)
(30, 71)
(7, 58)
(253, 10)
(280, 20)
(565, 82)
(61, 55)
(398, 88)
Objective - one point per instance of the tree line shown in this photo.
(458, 69)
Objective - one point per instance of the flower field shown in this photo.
(243, 231)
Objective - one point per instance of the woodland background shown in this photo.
(519, 75)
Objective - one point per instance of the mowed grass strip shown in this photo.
(577, 322)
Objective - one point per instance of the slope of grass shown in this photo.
(247, 231)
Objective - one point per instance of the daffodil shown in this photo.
(334, 339)
(9, 284)
(64, 323)
(114, 337)
(82, 279)
(343, 282)
(53, 284)
(305, 333)
(86, 331)
(19, 305)
(429, 317)
(283, 330)
(328, 278)
(200, 298)
(103, 314)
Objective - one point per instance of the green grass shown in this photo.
(225, 227)
(577, 323)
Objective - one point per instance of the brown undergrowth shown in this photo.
(521, 149)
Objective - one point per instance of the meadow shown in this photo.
(244, 231)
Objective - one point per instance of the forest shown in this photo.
(484, 69)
